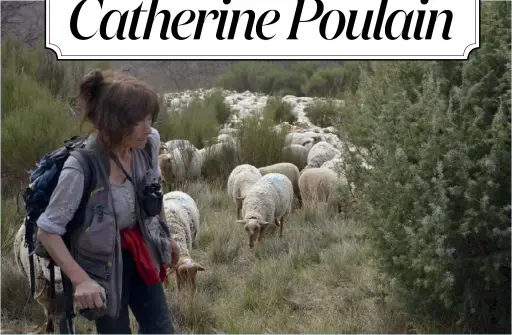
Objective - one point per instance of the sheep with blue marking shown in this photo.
(268, 202)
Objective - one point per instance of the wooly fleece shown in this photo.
(336, 165)
(303, 138)
(321, 153)
(179, 165)
(40, 264)
(297, 153)
(226, 138)
(288, 169)
(182, 216)
(163, 149)
(51, 307)
(268, 201)
(183, 219)
(240, 181)
(318, 184)
(179, 143)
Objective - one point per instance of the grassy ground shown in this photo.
(317, 279)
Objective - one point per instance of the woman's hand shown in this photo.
(89, 295)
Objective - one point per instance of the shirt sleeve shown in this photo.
(154, 137)
(65, 198)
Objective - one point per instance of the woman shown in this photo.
(121, 110)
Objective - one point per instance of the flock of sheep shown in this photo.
(262, 197)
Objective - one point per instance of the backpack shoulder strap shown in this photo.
(86, 161)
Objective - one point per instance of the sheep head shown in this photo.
(163, 149)
(186, 272)
(253, 227)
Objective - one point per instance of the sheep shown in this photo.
(296, 154)
(163, 149)
(224, 153)
(229, 131)
(336, 164)
(334, 141)
(177, 166)
(303, 138)
(51, 307)
(268, 201)
(319, 184)
(225, 138)
(289, 170)
(179, 143)
(321, 153)
(329, 130)
(183, 218)
(240, 180)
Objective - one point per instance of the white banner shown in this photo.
(262, 29)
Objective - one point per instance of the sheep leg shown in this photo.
(261, 233)
(281, 228)
(300, 201)
(44, 301)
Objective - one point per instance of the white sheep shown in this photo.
(321, 153)
(183, 218)
(336, 164)
(289, 170)
(268, 202)
(179, 143)
(179, 165)
(51, 307)
(229, 131)
(296, 154)
(303, 138)
(240, 181)
(320, 184)
(228, 139)
(163, 149)
(334, 141)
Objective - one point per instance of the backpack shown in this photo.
(42, 182)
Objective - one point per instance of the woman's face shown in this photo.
(139, 136)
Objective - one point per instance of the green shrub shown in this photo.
(33, 123)
(260, 143)
(323, 113)
(196, 122)
(215, 101)
(278, 111)
(437, 201)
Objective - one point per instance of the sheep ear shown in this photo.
(264, 223)
(241, 221)
(240, 198)
(200, 268)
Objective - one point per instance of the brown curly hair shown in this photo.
(114, 102)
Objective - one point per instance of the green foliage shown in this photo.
(195, 123)
(33, 122)
(302, 79)
(279, 111)
(60, 77)
(260, 143)
(324, 113)
(215, 101)
(437, 201)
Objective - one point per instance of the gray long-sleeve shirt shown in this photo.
(68, 192)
